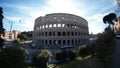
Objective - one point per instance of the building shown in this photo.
(60, 29)
(117, 25)
(11, 35)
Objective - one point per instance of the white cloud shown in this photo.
(77, 7)
(96, 24)
(13, 18)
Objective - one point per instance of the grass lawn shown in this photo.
(77, 63)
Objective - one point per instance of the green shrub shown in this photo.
(65, 55)
(41, 58)
(83, 51)
(12, 58)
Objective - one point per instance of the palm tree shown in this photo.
(109, 19)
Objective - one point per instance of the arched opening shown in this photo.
(39, 41)
(75, 33)
(59, 25)
(50, 25)
(68, 33)
(42, 41)
(39, 33)
(59, 33)
(55, 33)
(76, 41)
(50, 42)
(50, 33)
(55, 42)
(72, 42)
(64, 34)
(46, 42)
(42, 33)
(59, 42)
(72, 33)
(45, 33)
(68, 42)
(64, 42)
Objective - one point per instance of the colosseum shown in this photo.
(55, 30)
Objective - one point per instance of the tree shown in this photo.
(109, 18)
(1, 43)
(108, 35)
(65, 55)
(12, 58)
(28, 34)
(72, 54)
(1, 28)
(41, 58)
(83, 51)
(60, 56)
(17, 42)
(22, 37)
(1, 23)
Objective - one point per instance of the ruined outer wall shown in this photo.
(59, 29)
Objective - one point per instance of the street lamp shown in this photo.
(10, 34)
(11, 25)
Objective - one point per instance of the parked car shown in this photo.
(118, 35)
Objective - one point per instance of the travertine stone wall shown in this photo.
(60, 29)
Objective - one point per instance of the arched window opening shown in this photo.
(50, 42)
(50, 33)
(43, 26)
(55, 17)
(72, 25)
(39, 33)
(68, 25)
(79, 41)
(59, 42)
(64, 34)
(76, 42)
(54, 25)
(39, 41)
(55, 42)
(72, 33)
(46, 42)
(40, 27)
(63, 25)
(42, 41)
(64, 42)
(68, 42)
(55, 33)
(59, 33)
(72, 42)
(75, 33)
(50, 25)
(45, 33)
(46, 26)
(68, 33)
(79, 34)
(59, 25)
(42, 33)
(63, 17)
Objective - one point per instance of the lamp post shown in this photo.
(10, 34)
(11, 25)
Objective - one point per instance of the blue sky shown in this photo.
(28, 10)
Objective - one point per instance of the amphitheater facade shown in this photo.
(55, 30)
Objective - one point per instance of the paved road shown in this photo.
(116, 58)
